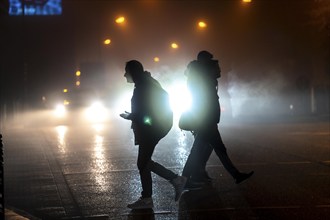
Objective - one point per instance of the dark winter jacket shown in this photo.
(148, 110)
(203, 86)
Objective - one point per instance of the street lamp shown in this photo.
(107, 41)
(174, 45)
(120, 20)
(202, 24)
(156, 59)
(78, 73)
(247, 1)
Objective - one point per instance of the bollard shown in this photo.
(2, 188)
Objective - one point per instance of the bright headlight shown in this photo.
(60, 110)
(96, 112)
(180, 98)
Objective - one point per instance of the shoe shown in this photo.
(201, 176)
(201, 179)
(243, 176)
(178, 183)
(193, 185)
(142, 203)
(207, 177)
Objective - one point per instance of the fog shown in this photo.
(256, 96)
(274, 58)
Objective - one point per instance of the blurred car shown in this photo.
(81, 105)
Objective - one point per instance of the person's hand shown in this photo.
(126, 115)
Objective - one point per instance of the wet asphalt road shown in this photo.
(89, 172)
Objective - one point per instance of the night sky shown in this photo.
(252, 41)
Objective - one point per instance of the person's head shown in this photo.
(204, 55)
(133, 70)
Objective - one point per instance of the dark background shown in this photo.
(280, 47)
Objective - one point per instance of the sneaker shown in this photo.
(178, 183)
(202, 178)
(193, 185)
(243, 176)
(142, 203)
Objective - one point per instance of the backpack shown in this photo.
(163, 114)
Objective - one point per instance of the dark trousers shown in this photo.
(146, 165)
(205, 141)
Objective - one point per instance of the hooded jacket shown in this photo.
(150, 120)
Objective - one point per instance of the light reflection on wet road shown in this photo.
(68, 171)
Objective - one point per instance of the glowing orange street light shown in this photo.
(156, 59)
(77, 83)
(120, 20)
(247, 1)
(65, 90)
(78, 73)
(174, 45)
(107, 41)
(202, 24)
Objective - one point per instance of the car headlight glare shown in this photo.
(60, 110)
(96, 112)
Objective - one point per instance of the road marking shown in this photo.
(167, 212)
(295, 162)
(210, 166)
(309, 133)
(278, 207)
(322, 206)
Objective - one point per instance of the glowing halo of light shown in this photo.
(202, 24)
(120, 20)
(174, 45)
(180, 98)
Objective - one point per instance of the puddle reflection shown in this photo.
(61, 133)
(101, 165)
(98, 127)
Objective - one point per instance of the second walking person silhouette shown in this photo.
(202, 75)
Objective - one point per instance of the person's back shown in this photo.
(202, 84)
(150, 102)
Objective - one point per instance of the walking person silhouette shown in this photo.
(152, 118)
(202, 75)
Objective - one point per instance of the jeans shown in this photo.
(146, 165)
(205, 141)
